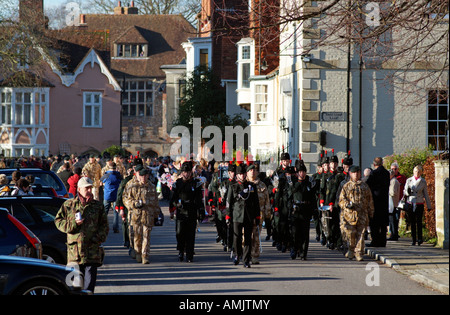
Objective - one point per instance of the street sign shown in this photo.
(333, 116)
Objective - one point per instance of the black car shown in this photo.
(41, 177)
(28, 276)
(16, 239)
(38, 214)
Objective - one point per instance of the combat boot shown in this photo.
(293, 253)
(138, 258)
(145, 261)
(359, 257)
(350, 255)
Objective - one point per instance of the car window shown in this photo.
(47, 180)
(22, 214)
(47, 213)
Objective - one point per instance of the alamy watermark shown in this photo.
(73, 14)
(373, 15)
(212, 149)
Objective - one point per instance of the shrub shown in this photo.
(408, 160)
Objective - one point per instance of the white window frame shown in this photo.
(241, 61)
(92, 103)
(257, 103)
(437, 120)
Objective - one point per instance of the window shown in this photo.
(438, 109)
(245, 62)
(261, 102)
(92, 109)
(204, 55)
(138, 98)
(245, 52)
(39, 108)
(131, 50)
(22, 109)
(6, 108)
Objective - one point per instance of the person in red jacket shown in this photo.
(73, 181)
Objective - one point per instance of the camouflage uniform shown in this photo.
(83, 241)
(142, 217)
(265, 212)
(94, 172)
(355, 219)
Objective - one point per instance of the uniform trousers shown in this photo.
(185, 232)
(142, 226)
(256, 236)
(237, 240)
(300, 234)
(354, 234)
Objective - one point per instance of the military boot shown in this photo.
(145, 261)
(138, 258)
(350, 255)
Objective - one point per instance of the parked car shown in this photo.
(38, 214)
(16, 239)
(41, 177)
(28, 276)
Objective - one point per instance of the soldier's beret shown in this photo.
(138, 167)
(251, 167)
(354, 169)
(144, 171)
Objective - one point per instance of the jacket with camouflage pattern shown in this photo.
(83, 241)
(356, 203)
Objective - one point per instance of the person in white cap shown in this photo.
(84, 221)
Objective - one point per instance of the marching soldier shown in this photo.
(93, 170)
(301, 212)
(243, 204)
(265, 209)
(316, 213)
(141, 200)
(282, 204)
(357, 207)
(187, 203)
(284, 164)
(227, 229)
(329, 187)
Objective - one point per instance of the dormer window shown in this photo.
(131, 50)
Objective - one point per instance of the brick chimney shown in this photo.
(119, 10)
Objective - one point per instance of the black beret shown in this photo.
(354, 169)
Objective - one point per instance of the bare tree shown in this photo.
(404, 37)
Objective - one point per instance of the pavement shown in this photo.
(425, 264)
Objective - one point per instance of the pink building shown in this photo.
(70, 103)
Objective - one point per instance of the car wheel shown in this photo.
(40, 288)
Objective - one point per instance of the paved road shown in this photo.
(212, 272)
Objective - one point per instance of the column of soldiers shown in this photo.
(334, 197)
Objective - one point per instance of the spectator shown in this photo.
(64, 174)
(416, 192)
(4, 188)
(73, 181)
(22, 188)
(111, 181)
(394, 197)
(378, 182)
